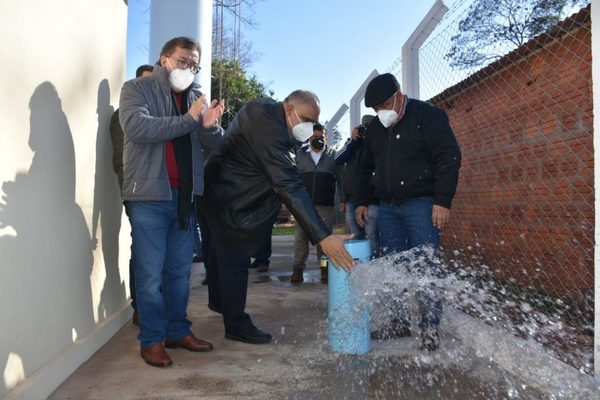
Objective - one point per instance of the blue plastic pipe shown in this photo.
(348, 320)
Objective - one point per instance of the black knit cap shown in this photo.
(381, 88)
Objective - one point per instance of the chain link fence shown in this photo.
(523, 217)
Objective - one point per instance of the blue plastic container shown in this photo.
(348, 323)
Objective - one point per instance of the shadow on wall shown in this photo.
(107, 209)
(45, 272)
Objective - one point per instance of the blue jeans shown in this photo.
(405, 226)
(370, 230)
(162, 269)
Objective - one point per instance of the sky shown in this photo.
(327, 46)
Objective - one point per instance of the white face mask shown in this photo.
(303, 130)
(180, 79)
(388, 117)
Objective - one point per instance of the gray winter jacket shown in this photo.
(149, 121)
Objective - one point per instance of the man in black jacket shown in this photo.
(320, 174)
(412, 159)
(247, 179)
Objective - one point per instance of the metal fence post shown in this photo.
(336, 117)
(410, 49)
(357, 99)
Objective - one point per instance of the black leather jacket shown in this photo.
(252, 173)
(418, 156)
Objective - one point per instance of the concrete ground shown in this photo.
(298, 364)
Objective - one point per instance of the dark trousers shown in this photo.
(264, 254)
(227, 273)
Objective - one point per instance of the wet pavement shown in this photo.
(297, 364)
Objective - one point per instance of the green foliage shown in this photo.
(283, 230)
(492, 28)
(237, 88)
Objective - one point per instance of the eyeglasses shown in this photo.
(185, 64)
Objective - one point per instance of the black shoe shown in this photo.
(430, 339)
(253, 264)
(251, 335)
(392, 331)
(198, 259)
(297, 276)
(205, 281)
(215, 309)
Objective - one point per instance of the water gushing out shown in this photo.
(469, 363)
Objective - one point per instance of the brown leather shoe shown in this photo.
(156, 355)
(189, 342)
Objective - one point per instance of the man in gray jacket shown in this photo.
(167, 124)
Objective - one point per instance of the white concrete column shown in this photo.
(336, 118)
(357, 99)
(410, 50)
(193, 18)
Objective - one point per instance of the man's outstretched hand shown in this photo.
(333, 247)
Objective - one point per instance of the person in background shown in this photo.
(167, 125)
(247, 179)
(350, 155)
(320, 174)
(412, 159)
(116, 136)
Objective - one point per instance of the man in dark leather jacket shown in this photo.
(247, 179)
(412, 159)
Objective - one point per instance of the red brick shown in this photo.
(527, 175)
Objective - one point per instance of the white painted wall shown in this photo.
(64, 243)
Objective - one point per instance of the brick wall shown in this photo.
(525, 200)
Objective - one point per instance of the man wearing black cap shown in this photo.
(412, 159)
